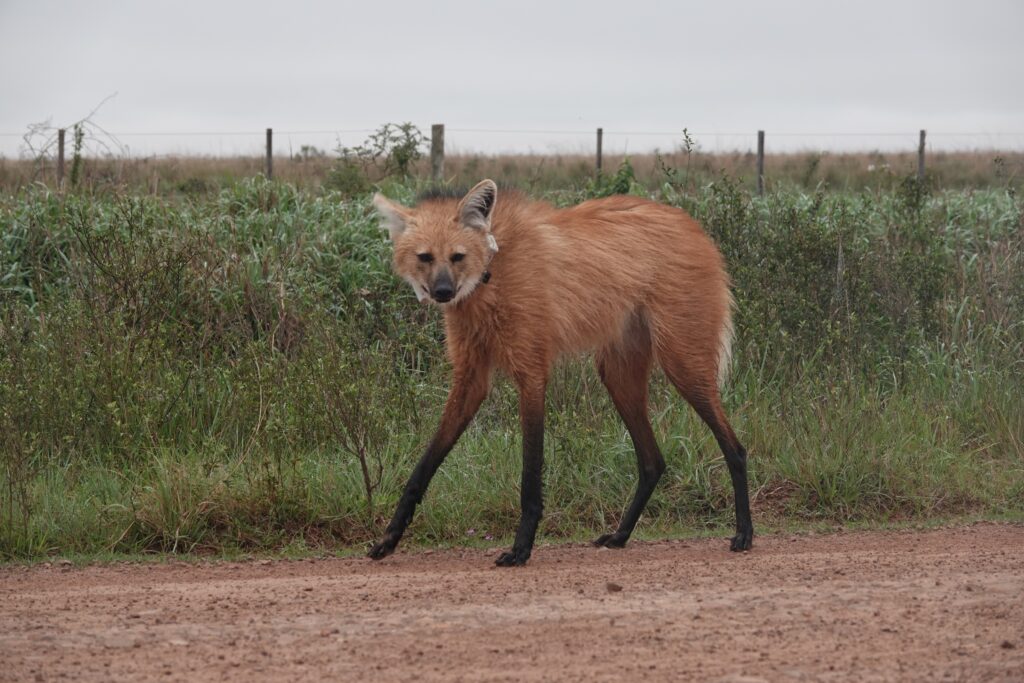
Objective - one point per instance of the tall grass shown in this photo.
(239, 369)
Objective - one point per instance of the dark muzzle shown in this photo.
(443, 289)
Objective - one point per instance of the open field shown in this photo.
(934, 605)
(191, 176)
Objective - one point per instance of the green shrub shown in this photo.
(241, 369)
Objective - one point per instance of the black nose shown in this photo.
(443, 292)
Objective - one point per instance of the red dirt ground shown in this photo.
(934, 605)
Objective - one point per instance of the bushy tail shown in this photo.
(725, 344)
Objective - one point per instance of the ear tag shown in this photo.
(492, 243)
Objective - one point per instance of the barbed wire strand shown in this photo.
(541, 131)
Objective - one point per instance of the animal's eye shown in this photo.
(425, 258)
(457, 257)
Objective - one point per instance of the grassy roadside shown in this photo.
(848, 458)
(241, 374)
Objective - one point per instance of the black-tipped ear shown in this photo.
(394, 217)
(476, 207)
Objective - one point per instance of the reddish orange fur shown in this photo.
(570, 280)
(629, 279)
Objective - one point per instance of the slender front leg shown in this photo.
(469, 388)
(531, 415)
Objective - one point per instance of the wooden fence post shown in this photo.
(600, 143)
(760, 162)
(270, 154)
(920, 157)
(437, 152)
(60, 159)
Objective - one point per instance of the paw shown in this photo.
(614, 540)
(382, 549)
(742, 541)
(513, 558)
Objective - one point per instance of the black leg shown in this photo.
(625, 376)
(710, 410)
(531, 414)
(736, 459)
(699, 386)
(651, 465)
(464, 400)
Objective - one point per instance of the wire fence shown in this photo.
(474, 140)
(48, 146)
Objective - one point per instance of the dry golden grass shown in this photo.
(854, 171)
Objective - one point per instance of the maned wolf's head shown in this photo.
(442, 248)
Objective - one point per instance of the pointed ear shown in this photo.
(393, 217)
(476, 207)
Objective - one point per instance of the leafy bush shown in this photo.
(623, 181)
(391, 150)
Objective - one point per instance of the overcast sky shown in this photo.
(718, 68)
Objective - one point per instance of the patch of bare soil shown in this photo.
(874, 606)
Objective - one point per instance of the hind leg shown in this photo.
(700, 389)
(624, 370)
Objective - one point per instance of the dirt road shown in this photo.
(909, 605)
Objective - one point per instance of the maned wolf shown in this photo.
(522, 283)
